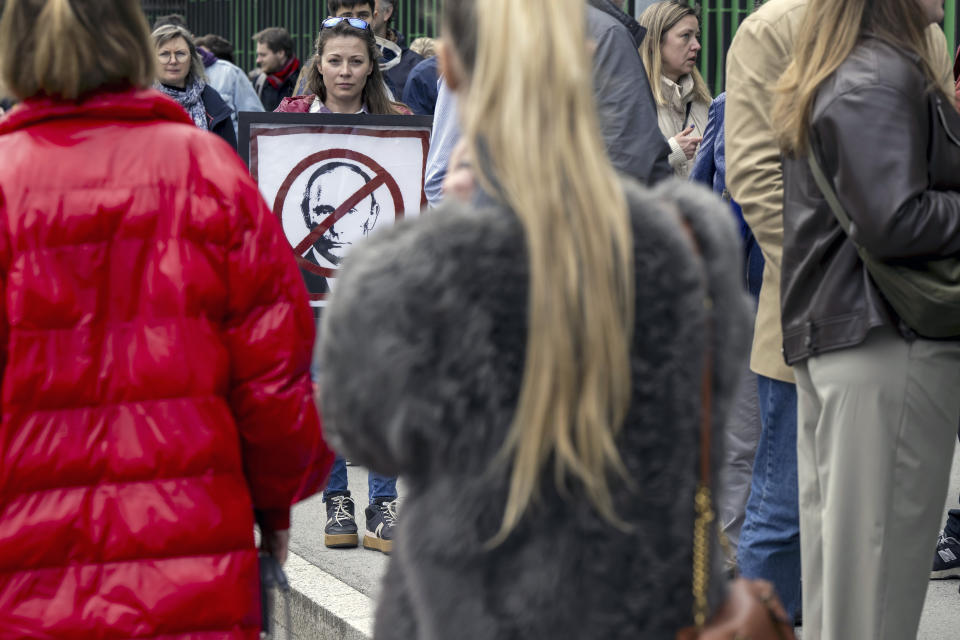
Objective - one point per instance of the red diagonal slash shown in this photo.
(341, 211)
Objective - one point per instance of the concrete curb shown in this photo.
(321, 606)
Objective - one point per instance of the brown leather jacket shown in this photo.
(871, 129)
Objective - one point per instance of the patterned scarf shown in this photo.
(189, 99)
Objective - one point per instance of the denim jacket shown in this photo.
(234, 87)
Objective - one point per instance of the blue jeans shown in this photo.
(378, 486)
(770, 539)
(754, 268)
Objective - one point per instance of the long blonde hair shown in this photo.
(828, 34)
(658, 19)
(547, 163)
(69, 48)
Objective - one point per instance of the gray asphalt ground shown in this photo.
(362, 569)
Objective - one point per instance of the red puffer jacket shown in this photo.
(155, 340)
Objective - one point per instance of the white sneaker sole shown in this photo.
(945, 574)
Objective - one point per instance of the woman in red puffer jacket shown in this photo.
(155, 339)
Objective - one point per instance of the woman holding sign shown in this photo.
(530, 361)
(344, 75)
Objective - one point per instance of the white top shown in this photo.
(673, 116)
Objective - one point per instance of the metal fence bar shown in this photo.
(950, 23)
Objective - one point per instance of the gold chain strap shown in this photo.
(703, 500)
(701, 553)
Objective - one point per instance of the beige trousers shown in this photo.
(876, 429)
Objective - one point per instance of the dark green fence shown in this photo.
(720, 19)
(238, 20)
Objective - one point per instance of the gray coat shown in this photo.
(423, 352)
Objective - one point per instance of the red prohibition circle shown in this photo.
(381, 177)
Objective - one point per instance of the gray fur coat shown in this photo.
(423, 352)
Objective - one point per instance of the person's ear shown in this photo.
(450, 66)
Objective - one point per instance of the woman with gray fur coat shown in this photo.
(532, 365)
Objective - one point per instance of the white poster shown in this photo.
(332, 180)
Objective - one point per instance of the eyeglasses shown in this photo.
(179, 56)
(356, 23)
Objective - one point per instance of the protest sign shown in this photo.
(332, 179)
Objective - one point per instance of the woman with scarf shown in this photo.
(180, 77)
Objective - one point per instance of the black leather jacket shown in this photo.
(871, 129)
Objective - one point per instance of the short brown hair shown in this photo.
(70, 48)
(277, 39)
(335, 5)
(217, 45)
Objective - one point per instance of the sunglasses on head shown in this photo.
(356, 23)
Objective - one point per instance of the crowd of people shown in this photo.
(638, 322)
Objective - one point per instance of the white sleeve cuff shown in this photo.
(677, 157)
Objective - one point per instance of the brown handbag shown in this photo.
(752, 610)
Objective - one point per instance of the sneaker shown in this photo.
(341, 529)
(381, 520)
(946, 561)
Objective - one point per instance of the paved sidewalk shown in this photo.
(336, 589)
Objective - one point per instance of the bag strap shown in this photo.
(686, 118)
(827, 190)
(704, 514)
(703, 499)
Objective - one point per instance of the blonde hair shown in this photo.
(70, 48)
(828, 34)
(658, 19)
(166, 33)
(547, 163)
(426, 47)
